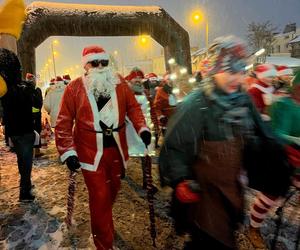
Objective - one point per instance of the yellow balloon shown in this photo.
(3, 87)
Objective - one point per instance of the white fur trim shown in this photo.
(97, 127)
(269, 73)
(66, 154)
(285, 72)
(116, 124)
(143, 129)
(266, 90)
(94, 56)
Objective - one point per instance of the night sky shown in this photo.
(224, 16)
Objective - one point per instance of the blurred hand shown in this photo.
(188, 191)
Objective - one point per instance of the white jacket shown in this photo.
(52, 102)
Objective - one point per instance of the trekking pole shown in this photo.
(279, 213)
(150, 196)
(71, 198)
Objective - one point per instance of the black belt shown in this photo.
(109, 131)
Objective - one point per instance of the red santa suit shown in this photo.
(78, 132)
(262, 93)
(164, 104)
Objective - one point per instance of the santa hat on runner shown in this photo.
(52, 81)
(92, 53)
(30, 77)
(283, 70)
(59, 80)
(265, 70)
(67, 78)
(151, 77)
(135, 73)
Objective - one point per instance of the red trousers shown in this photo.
(103, 186)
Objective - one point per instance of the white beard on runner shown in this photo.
(101, 82)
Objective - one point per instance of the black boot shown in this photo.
(26, 196)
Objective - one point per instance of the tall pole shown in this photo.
(206, 31)
(53, 57)
(206, 36)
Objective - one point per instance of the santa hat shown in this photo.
(67, 77)
(92, 53)
(265, 70)
(151, 77)
(283, 70)
(59, 80)
(30, 77)
(52, 81)
(135, 73)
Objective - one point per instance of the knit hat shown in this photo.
(151, 77)
(59, 80)
(67, 78)
(12, 15)
(92, 53)
(135, 73)
(283, 70)
(52, 81)
(227, 54)
(265, 70)
(296, 79)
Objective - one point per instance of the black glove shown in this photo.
(163, 120)
(146, 137)
(73, 163)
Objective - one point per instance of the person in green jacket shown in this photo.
(285, 120)
(202, 155)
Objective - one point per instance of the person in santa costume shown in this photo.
(90, 134)
(285, 117)
(262, 90)
(136, 147)
(164, 102)
(67, 79)
(151, 84)
(53, 99)
(202, 156)
(283, 81)
(51, 86)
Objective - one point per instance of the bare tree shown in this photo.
(261, 35)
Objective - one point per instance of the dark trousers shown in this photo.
(23, 146)
(37, 125)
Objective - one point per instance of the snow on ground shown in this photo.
(40, 225)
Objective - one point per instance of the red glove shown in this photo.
(293, 156)
(184, 193)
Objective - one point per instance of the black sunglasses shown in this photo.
(95, 63)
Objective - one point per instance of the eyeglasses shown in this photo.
(95, 63)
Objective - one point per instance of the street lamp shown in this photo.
(54, 53)
(197, 18)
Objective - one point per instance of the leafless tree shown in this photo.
(261, 35)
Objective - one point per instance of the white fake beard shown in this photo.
(100, 82)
